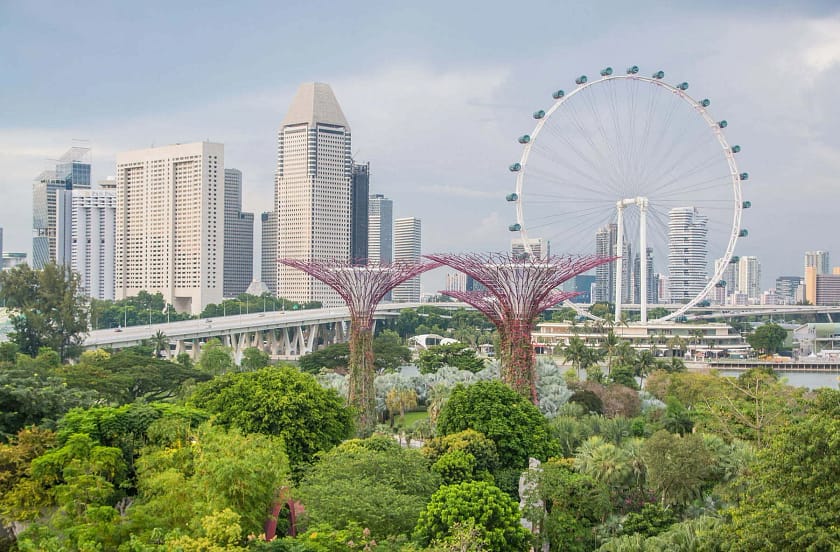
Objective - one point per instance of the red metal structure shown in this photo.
(517, 291)
(362, 288)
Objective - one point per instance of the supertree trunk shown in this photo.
(361, 390)
(520, 370)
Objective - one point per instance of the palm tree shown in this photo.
(645, 362)
(604, 462)
(610, 346)
(676, 343)
(576, 352)
(160, 343)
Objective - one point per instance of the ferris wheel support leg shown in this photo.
(619, 246)
(643, 266)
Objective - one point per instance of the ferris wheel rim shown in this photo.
(734, 176)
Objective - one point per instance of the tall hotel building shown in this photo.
(687, 250)
(170, 224)
(72, 172)
(312, 191)
(239, 238)
(407, 249)
(359, 232)
(380, 229)
(268, 251)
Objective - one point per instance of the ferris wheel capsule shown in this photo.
(722, 124)
(743, 233)
(558, 94)
(606, 72)
(659, 75)
(581, 80)
(706, 102)
(744, 176)
(633, 69)
(515, 227)
(683, 86)
(539, 114)
(512, 197)
(735, 149)
(734, 259)
(524, 139)
(515, 167)
(746, 204)
(721, 284)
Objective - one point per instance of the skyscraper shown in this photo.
(72, 172)
(312, 191)
(819, 260)
(729, 280)
(380, 229)
(652, 291)
(786, 287)
(749, 277)
(86, 230)
(268, 257)
(359, 188)
(687, 249)
(239, 238)
(539, 247)
(170, 224)
(605, 242)
(407, 248)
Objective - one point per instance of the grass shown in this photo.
(410, 418)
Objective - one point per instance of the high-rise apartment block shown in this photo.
(687, 250)
(819, 260)
(268, 257)
(652, 285)
(312, 191)
(170, 224)
(72, 172)
(786, 288)
(605, 244)
(380, 229)
(239, 238)
(456, 281)
(540, 247)
(86, 233)
(728, 283)
(749, 277)
(407, 249)
(359, 189)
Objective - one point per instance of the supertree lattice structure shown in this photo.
(517, 291)
(362, 288)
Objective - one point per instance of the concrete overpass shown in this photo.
(282, 334)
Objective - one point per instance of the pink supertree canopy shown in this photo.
(362, 287)
(517, 291)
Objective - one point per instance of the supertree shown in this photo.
(362, 288)
(517, 290)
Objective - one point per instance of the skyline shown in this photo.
(455, 84)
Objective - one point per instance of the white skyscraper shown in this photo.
(729, 279)
(407, 248)
(312, 191)
(539, 247)
(86, 224)
(170, 224)
(380, 229)
(749, 277)
(687, 249)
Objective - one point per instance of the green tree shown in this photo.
(215, 358)
(677, 466)
(375, 483)
(49, 309)
(792, 497)
(254, 359)
(389, 353)
(279, 401)
(650, 521)
(496, 516)
(457, 355)
(767, 338)
(604, 462)
(577, 353)
(330, 357)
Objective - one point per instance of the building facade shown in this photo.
(86, 230)
(687, 250)
(239, 238)
(819, 260)
(170, 224)
(72, 172)
(605, 245)
(540, 247)
(312, 191)
(749, 277)
(268, 251)
(652, 286)
(380, 229)
(407, 234)
(359, 190)
(786, 287)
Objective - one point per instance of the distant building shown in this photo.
(827, 289)
(582, 283)
(687, 249)
(380, 229)
(359, 189)
(540, 247)
(170, 224)
(72, 172)
(312, 191)
(652, 288)
(749, 277)
(11, 260)
(786, 287)
(239, 238)
(407, 249)
(456, 281)
(819, 260)
(86, 234)
(605, 246)
(268, 257)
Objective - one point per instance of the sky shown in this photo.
(436, 94)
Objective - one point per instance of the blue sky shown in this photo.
(435, 92)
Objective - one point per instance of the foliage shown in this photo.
(677, 466)
(49, 309)
(566, 506)
(650, 521)
(503, 416)
(767, 338)
(247, 303)
(677, 419)
(133, 311)
(279, 401)
(792, 497)
(389, 354)
(485, 459)
(254, 359)
(623, 375)
(383, 488)
(620, 400)
(215, 358)
(475, 501)
(458, 355)
(589, 400)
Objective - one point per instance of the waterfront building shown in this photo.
(359, 189)
(407, 234)
(380, 229)
(687, 249)
(170, 224)
(312, 191)
(239, 238)
(268, 251)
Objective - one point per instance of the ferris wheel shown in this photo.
(631, 166)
